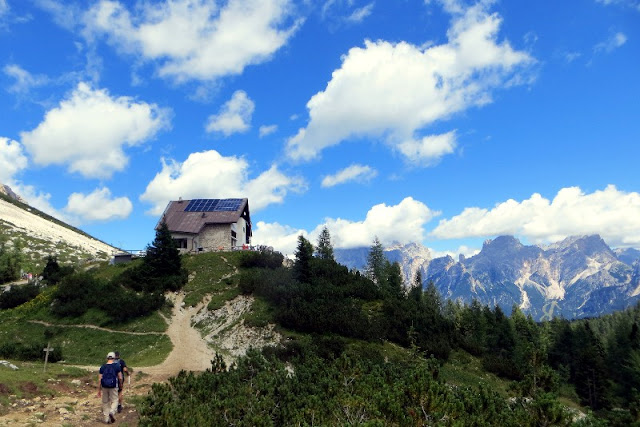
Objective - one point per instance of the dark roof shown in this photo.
(190, 216)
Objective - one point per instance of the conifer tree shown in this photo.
(162, 268)
(324, 248)
(302, 264)
(376, 262)
(393, 286)
(415, 293)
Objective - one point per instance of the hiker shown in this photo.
(109, 379)
(123, 368)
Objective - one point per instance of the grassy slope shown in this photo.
(87, 346)
(210, 273)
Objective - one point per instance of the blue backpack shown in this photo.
(110, 375)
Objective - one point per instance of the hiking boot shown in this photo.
(112, 418)
(119, 408)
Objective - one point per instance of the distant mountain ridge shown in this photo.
(580, 276)
(40, 235)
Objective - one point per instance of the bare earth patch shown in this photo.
(76, 402)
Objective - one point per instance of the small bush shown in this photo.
(18, 295)
(263, 258)
(28, 351)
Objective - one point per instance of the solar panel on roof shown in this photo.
(213, 205)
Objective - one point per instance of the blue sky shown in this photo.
(440, 122)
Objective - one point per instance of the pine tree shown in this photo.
(415, 293)
(324, 248)
(302, 263)
(376, 262)
(162, 267)
(393, 286)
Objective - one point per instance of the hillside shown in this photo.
(40, 235)
(338, 348)
(208, 317)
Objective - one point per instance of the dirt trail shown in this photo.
(190, 352)
(57, 325)
(76, 403)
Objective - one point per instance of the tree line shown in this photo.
(597, 360)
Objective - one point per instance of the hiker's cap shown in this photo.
(111, 355)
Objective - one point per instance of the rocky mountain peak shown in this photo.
(7, 191)
(587, 246)
(502, 244)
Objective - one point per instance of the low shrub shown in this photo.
(18, 295)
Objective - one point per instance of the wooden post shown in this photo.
(46, 355)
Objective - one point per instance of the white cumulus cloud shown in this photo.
(12, 159)
(611, 213)
(282, 238)
(392, 91)
(234, 116)
(88, 131)
(404, 223)
(196, 39)
(208, 174)
(355, 172)
(429, 149)
(98, 205)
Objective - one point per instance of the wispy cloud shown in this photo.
(634, 4)
(612, 43)
(267, 130)
(24, 80)
(360, 14)
(338, 13)
(353, 173)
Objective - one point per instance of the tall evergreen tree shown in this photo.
(302, 263)
(324, 248)
(376, 262)
(393, 286)
(415, 293)
(590, 371)
(162, 267)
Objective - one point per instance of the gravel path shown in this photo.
(190, 352)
